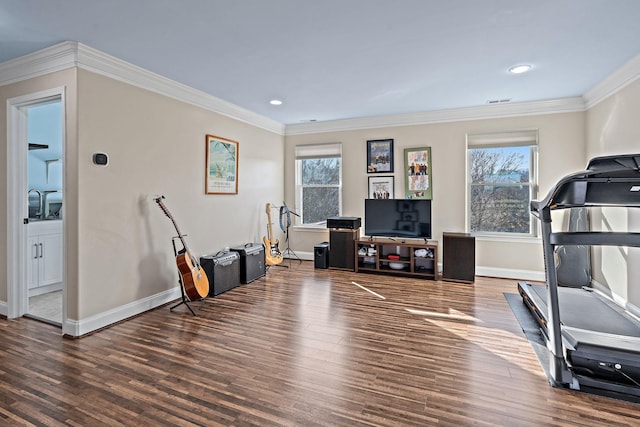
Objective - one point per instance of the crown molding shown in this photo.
(73, 54)
(613, 83)
(49, 60)
(495, 111)
(99, 62)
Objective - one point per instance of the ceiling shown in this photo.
(339, 59)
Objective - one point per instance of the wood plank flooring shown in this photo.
(299, 347)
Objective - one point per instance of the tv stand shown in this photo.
(418, 260)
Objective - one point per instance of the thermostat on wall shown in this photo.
(100, 159)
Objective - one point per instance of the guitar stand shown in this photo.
(184, 301)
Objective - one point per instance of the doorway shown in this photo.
(36, 141)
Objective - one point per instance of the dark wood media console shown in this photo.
(414, 259)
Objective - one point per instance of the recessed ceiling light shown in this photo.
(519, 69)
(275, 102)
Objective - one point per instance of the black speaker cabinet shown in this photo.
(321, 255)
(342, 252)
(222, 270)
(252, 264)
(458, 257)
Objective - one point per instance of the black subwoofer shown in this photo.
(342, 248)
(458, 257)
(321, 255)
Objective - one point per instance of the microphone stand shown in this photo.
(288, 252)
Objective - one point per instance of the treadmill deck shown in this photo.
(584, 309)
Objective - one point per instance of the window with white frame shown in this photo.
(501, 182)
(318, 182)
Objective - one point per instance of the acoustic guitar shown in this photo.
(273, 255)
(194, 281)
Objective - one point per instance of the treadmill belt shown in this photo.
(584, 309)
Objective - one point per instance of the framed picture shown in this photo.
(417, 170)
(380, 156)
(381, 187)
(221, 166)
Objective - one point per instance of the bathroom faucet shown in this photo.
(39, 212)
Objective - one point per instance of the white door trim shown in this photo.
(17, 199)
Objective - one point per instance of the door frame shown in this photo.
(17, 199)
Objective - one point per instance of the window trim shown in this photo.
(516, 138)
(315, 151)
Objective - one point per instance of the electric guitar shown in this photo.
(273, 255)
(194, 281)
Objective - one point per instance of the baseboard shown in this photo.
(77, 328)
(45, 289)
(631, 308)
(506, 273)
(503, 273)
(306, 256)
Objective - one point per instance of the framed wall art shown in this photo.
(221, 166)
(417, 171)
(381, 187)
(380, 156)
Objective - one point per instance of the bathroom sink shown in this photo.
(44, 219)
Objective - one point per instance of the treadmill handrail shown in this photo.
(574, 190)
(595, 238)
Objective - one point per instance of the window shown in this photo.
(502, 181)
(318, 182)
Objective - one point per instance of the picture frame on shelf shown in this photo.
(417, 172)
(221, 165)
(381, 187)
(380, 156)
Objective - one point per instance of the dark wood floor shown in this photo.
(300, 347)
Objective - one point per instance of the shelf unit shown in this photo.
(372, 256)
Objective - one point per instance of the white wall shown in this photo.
(118, 242)
(44, 127)
(156, 146)
(561, 152)
(613, 128)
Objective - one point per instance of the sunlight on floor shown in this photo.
(485, 338)
(452, 314)
(369, 290)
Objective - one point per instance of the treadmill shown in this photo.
(593, 342)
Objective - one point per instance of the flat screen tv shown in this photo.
(402, 218)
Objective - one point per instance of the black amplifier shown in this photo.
(252, 265)
(348, 222)
(222, 270)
